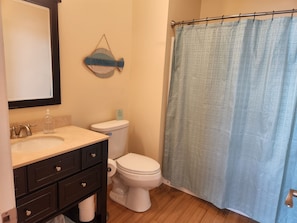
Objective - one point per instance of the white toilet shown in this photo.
(135, 174)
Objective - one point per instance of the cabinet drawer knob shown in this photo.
(83, 184)
(28, 213)
(93, 155)
(58, 168)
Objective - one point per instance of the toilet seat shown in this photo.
(138, 164)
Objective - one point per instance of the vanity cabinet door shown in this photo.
(47, 171)
(91, 155)
(76, 187)
(20, 181)
(37, 205)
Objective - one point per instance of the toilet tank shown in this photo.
(118, 135)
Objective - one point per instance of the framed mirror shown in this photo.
(31, 49)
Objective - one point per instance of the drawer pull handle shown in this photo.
(83, 184)
(58, 168)
(93, 155)
(28, 213)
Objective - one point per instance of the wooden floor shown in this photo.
(169, 206)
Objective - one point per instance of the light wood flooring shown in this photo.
(171, 206)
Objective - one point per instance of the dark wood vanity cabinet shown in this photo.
(35, 206)
(20, 181)
(82, 184)
(56, 185)
(53, 169)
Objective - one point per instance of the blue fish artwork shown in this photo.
(102, 62)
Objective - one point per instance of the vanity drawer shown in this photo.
(38, 205)
(91, 155)
(53, 169)
(74, 188)
(20, 181)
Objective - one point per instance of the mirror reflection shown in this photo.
(30, 34)
(26, 35)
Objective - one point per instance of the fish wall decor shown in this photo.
(103, 63)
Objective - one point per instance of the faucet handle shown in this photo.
(26, 128)
(31, 125)
(17, 132)
(13, 134)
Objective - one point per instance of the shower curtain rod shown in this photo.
(190, 22)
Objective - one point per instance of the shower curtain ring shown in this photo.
(239, 17)
(191, 22)
(254, 16)
(272, 15)
(222, 19)
(206, 21)
(292, 15)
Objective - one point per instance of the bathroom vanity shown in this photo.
(53, 181)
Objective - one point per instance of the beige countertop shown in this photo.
(74, 138)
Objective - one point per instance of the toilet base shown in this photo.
(119, 198)
(136, 199)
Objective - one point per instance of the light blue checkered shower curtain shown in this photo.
(230, 136)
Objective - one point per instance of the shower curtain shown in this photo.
(231, 134)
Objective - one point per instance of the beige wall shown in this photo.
(136, 30)
(85, 97)
(139, 31)
(148, 55)
(149, 76)
(211, 8)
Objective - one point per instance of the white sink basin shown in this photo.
(36, 143)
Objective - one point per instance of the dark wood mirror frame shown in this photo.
(52, 5)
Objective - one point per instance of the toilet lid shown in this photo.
(109, 125)
(138, 164)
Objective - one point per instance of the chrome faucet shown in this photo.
(19, 131)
